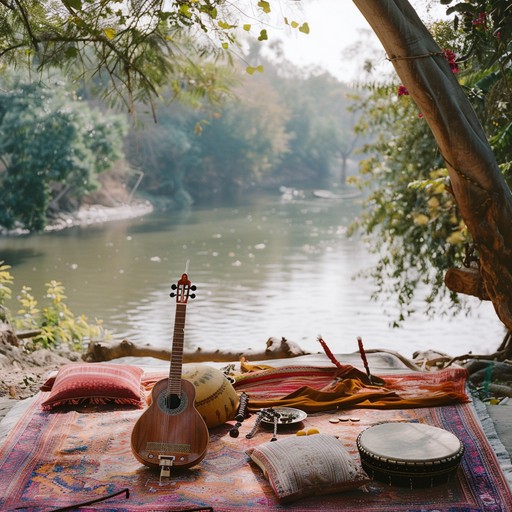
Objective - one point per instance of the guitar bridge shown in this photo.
(165, 463)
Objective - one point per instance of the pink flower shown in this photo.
(481, 21)
(451, 57)
(402, 91)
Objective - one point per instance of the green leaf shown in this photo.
(264, 5)
(503, 138)
(225, 26)
(304, 28)
(110, 33)
(263, 35)
(71, 52)
(225, 46)
(294, 24)
(73, 4)
(247, 27)
(463, 8)
(185, 10)
(488, 81)
(251, 69)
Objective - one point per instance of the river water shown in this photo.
(265, 267)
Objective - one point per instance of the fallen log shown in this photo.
(98, 351)
(500, 390)
(480, 370)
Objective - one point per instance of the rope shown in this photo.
(412, 57)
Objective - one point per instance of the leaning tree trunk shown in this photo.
(481, 193)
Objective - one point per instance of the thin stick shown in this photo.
(126, 492)
(363, 357)
(328, 352)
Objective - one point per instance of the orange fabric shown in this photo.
(248, 368)
(351, 388)
(313, 400)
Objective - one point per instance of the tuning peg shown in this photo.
(173, 287)
(172, 294)
(193, 287)
(192, 295)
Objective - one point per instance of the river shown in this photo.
(264, 267)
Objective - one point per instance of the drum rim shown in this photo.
(405, 473)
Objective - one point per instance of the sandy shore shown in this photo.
(90, 214)
(97, 214)
(22, 373)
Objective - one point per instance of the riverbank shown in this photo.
(90, 214)
(98, 214)
(23, 372)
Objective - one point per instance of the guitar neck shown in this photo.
(175, 371)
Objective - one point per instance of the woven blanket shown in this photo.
(52, 460)
(315, 389)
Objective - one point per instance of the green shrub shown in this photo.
(55, 324)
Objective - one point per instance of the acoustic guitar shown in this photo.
(171, 433)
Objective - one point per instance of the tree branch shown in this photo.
(28, 27)
(7, 4)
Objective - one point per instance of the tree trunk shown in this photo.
(481, 193)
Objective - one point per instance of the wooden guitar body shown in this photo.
(177, 433)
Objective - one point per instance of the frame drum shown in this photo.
(409, 454)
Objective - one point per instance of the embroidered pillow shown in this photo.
(95, 383)
(301, 466)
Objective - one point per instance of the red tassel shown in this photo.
(328, 352)
(363, 357)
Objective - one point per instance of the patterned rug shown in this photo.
(55, 460)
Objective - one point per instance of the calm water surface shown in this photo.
(265, 268)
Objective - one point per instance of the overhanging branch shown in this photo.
(481, 193)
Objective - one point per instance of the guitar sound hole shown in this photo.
(172, 403)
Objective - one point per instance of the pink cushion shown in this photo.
(95, 383)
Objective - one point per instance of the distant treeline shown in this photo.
(273, 128)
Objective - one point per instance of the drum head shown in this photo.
(411, 454)
(409, 442)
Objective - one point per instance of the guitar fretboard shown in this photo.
(177, 350)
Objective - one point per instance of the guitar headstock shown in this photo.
(183, 289)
